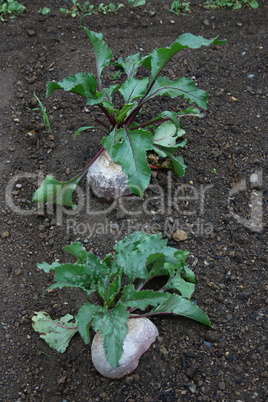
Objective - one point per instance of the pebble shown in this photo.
(208, 344)
(41, 228)
(222, 386)
(163, 350)
(206, 22)
(191, 387)
(61, 380)
(5, 235)
(31, 32)
(211, 336)
(129, 380)
(180, 235)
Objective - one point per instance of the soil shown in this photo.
(220, 203)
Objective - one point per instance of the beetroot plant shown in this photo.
(120, 287)
(127, 135)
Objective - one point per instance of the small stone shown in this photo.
(206, 22)
(222, 386)
(33, 102)
(211, 336)
(136, 377)
(180, 235)
(163, 350)
(5, 235)
(61, 380)
(191, 387)
(208, 344)
(114, 226)
(129, 380)
(41, 228)
(18, 185)
(239, 24)
(208, 301)
(31, 32)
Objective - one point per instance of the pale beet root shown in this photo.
(106, 178)
(141, 334)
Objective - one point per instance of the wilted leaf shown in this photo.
(56, 333)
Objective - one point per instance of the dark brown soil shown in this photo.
(227, 251)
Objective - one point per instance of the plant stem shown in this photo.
(107, 114)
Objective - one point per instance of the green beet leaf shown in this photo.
(195, 42)
(188, 274)
(141, 247)
(166, 135)
(128, 149)
(78, 251)
(137, 3)
(84, 319)
(178, 164)
(81, 129)
(124, 112)
(160, 57)
(132, 298)
(178, 305)
(56, 192)
(185, 288)
(113, 326)
(56, 333)
(47, 267)
(73, 276)
(96, 269)
(133, 88)
(130, 64)
(102, 52)
(184, 87)
(141, 240)
(82, 84)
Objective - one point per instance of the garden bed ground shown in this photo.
(227, 146)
